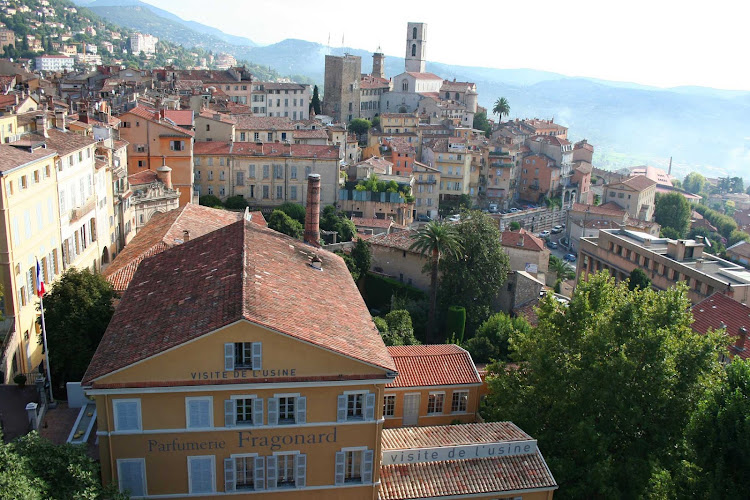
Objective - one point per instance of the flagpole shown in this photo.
(46, 350)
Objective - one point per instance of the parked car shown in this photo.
(570, 257)
(544, 234)
(514, 210)
(557, 230)
(454, 218)
(493, 208)
(423, 218)
(551, 244)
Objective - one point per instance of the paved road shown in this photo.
(560, 251)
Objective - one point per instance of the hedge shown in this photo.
(379, 290)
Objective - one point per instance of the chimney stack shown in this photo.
(164, 174)
(312, 212)
(740, 343)
(60, 119)
(185, 236)
(41, 124)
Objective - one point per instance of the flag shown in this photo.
(39, 280)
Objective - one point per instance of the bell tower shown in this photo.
(416, 47)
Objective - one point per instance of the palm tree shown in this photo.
(501, 108)
(560, 268)
(435, 239)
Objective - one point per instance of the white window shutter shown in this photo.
(228, 357)
(130, 478)
(229, 413)
(258, 411)
(271, 478)
(367, 460)
(260, 472)
(341, 408)
(229, 481)
(301, 410)
(370, 406)
(300, 475)
(340, 466)
(273, 411)
(257, 355)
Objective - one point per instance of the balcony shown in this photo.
(79, 212)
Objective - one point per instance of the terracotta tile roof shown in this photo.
(381, 165)
(530, 242)
(431, 365)
(452, 86)
(411, 438)
(311, 134)
(12, 157)
(254, 273)
(741, 248)
(424, 76)
(143, 177)
(528, 311)
(401, 240)
(638, 182)
(182, 117)
(718, 309)
(373, 82)
(273, 149)
(246, 122)
(151, 115)
(221, 117)
(164, 231)
(608, 208)
(373, 222)
(283, 85)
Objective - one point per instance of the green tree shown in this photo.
(719, 435)
(435, 240)
(294, 210)
(673, 210)
(671, 233)
(400, 329)
(694, 183)
(638, 279)
(514, 226)
(281, 222)
(501, 108)
(333, 220)
(32, 468)
(315, 101)
(376, 122)
(455, 323)
(359, 126)
(209, 200)
(561, 268)
(362, 256)
(481, 123)
(472, 278)
(736, 236)
(606, 384)
(77, 311)
(236, 203)
(490, 342)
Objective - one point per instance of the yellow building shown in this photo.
(265, 392)
(30, 231)
(435, 385)
(399, 123)
(8, 128)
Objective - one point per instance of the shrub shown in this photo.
(20, 380)
(455, 322)
(210, 200)
(379, 290)
(236, 203)
(294, 210)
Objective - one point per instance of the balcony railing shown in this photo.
(79, 212)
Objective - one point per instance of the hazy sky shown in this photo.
(655, 42)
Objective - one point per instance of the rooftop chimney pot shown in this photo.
(186, 236)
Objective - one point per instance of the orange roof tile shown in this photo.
(255, 274)
(152, 115)
(530, 242)
(718, 309)
(432, 365)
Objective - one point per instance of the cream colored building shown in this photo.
(453, 162)
(636, 195)
(426, 189)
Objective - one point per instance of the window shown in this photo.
(131, 476)
(354, 466)
(177, 145)
(389, 405)
(286, 409)
(127, 414)
(239, 473)
(285, 470)
(279, 192)
(199, 412)
(243, 410)
(201, 474)
(247, 355)
(356, 406)
(413, 49)
(266, 171)
(197, 175)
(240, 178)
(293, 172)
(460, 399)
(435, 402)
(251, 171)
(293, 192)
(265, 192)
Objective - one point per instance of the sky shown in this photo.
(664, 43)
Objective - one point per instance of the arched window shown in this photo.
(457, 96)
(414, 34)
(414, 49)
(405, 85)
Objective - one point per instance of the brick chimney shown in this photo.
(41, 124)
(740, 343)
(312, 212)
(186, 236)
(164, 173)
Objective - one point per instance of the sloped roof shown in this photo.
(152, 115)
(530, 241)
(637, 183)
(741, 248)
(432, 365)
(608, 208)
(253, 273)
(718, 310)
(247, 122)
(165, 231)
(401, 240)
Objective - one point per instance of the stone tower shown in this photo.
(341, 94)
(378, 64)
(416, 47)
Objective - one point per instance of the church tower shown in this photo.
(378, 64)
(416, 47)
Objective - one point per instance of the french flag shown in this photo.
(39, 280)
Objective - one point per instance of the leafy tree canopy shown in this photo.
(236, 203)
(294, 210)
(490, 342)
(359, 126)
(396, 328)
(673, 211)
(77, 311)
(482, 123)
(606, 384)
(281, 222)
(209, 200)
(333, 220)
(638, 279)
(694, 183)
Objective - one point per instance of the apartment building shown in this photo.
(666, 262)
(145, 43)
(435, 385)
(154, 140)
(289, 100)
(249, 128)
(266, 175)
(454, 164)
(540, 176)
(399, 123)
(54, 63)
(426, 189)
(636, 195)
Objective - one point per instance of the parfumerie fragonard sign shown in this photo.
(465, 452)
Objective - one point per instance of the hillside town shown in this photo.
(218, 282)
